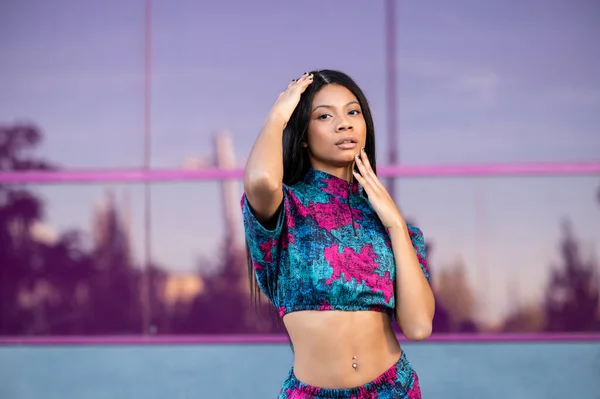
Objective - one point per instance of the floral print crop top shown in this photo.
(328, 251)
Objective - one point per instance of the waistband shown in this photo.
(400, 374)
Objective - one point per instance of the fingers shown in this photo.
(365, 185)
(366, 172)
(364, 166)
(305, 78)
(365, 160)
(302, 82)
(363, 177)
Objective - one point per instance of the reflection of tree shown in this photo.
(525, 319)
(114, 288)
(67, 269)
(223, 305)
(15, 144)
(58, 285)
(19, 211)
(454, 294)
(572, 295)
(160, 313)
(72, 285)
(441, 318)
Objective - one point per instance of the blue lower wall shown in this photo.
(446, 371)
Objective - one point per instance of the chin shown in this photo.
(343, 161)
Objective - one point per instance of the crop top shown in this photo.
(328, 250)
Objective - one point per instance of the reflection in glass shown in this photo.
(78, 76)
(474, 86)
(510, 254)
(505, 255)
(61, 274)
(199, 280)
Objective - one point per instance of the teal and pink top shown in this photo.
(328, 251)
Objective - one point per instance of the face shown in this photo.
(336, 130)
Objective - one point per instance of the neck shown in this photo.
(341, 172)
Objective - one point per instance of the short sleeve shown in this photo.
(418, 242)
(264, 245)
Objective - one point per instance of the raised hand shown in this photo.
(287, 101)
(380, 199)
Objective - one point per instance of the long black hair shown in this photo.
(296, 161)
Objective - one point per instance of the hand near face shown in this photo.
(380, 199)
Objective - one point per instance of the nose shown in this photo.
(344, 125)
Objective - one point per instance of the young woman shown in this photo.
(330, 249)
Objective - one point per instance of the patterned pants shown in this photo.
(399, 382)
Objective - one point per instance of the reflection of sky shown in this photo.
(493, 83)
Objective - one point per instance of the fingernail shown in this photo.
(363, 149)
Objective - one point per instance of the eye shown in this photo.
(323, 117)
(354, 112)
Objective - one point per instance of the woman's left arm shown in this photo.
(415, 304)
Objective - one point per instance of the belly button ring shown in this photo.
(354, 365)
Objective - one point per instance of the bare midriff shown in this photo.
(341, 349)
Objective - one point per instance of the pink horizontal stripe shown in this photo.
(516, 169)
(116, 175)
(278, 339)
(139, 175)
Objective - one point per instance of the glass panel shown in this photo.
(71, 259)
(482, 82)
(510, 254)
(75, 73)
(199, 279)
(201, 85)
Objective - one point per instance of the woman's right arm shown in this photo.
(263, 174)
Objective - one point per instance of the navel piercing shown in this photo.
(354, 365)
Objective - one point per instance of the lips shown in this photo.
(347, 143)
(347, 140)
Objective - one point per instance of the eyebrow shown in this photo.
(331, 106)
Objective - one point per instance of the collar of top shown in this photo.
(330, 184)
